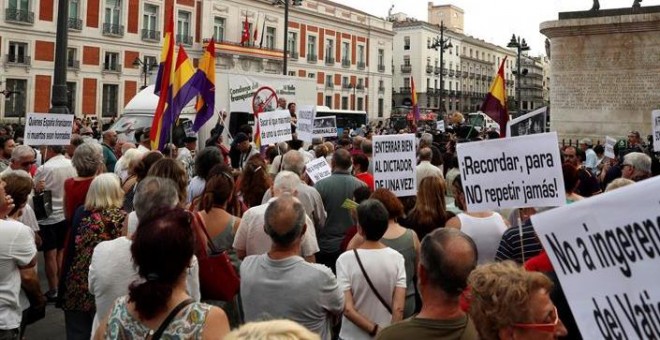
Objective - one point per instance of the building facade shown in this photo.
(111, 41)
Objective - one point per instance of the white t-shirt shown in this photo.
(54, 172)
(111, 271)
(385, 267)
(486, 233)
(17, 248)
(195, 188)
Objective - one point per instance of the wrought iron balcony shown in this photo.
(465, 74)
(18, 60)
(346, 86)
(312, 58)
(436, 70)
(19, 16)
(73, 64)
(429, 69)
(451, 73)
(294, 55)
(330, 61)
(111, 67)
(113, 30)
(381, 89)
(405, 90)
(361, 65)
(381, 68)
(360, 87)
(150, 35)
(75, 24)
(329, 86)
(406, 68)
(184, 39)
(444, 71)
(346, 62)
(472, 74)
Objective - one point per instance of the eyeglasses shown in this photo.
(541, 327)
(625, 165)
(28, 163)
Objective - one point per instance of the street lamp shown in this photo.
(286, 29)
(146, 68)
(443, 44)
(59, 99)
(520, 46)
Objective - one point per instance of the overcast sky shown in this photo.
(495, 20)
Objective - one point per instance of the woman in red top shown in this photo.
(88, 161)
(361, 170)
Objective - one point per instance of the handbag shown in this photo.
(43, 204)
(217, 278)
(371, 285)
(168, 320)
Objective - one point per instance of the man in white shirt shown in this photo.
(425, 168)
(51, 177)
(251, 239)
(591, 157)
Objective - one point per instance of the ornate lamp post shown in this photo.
(520, 46)
(286, 29)
(59, 99)
(443, 44)
(146, 68)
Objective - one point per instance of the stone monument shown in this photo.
(604, 71)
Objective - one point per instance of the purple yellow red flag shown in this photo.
(205, 106)
(159, 128)
(494, 104)
(415, 105)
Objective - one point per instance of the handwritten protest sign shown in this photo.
(48, 129)
(395, 162)
(512, 173)
(609, 147)
(656, 130)
(440, 125)
(325, 126)
(528, 124)
(305, 126)
(318, 169)
(606, 253)
(275, 126)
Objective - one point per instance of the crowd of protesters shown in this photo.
(123, 250)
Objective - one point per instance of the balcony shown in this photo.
(112, 67)
(406, 68)
(451, 73)
(329, 86)
(345, 63)
(381, 89)
(405, 90)
(465, 74)
(429, 69)
(452, 93)
(19, 16)
(184, 39)
(381, 68)
(459, 93)
(150, 35)
(113, 30)
(346, 86)
(17, 60)
(472, 75)
(490, 78)
(436, 70)
(329, 61)
(294, 55)
(312, 58)
(73, 64)
(360, 87)
(361, 65)
(483, 77)
(74, 24)
(444, 71)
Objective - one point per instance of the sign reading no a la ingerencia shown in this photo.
(512, 173)
(274, 126)
(395, 163)
(606, 253)
(48, 129)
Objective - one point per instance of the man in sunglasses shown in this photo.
(22, 157)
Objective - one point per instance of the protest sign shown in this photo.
(48, 129)
(274, 126)
(512, 173)
(325, 126)
(305, 125)
(609, 147)
(606, 253)
(528, 124)
(318, 169)
(395, 163)
(656, 130)
(440, 125)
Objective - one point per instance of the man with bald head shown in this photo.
(280, 284)
(334, 190)
(425, 168)
(447, 257)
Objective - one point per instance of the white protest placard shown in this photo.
(274, 126)
(325, 126)
(656, 130)
(318, 169)
(48, 129)
(606, 253)
(305, 125)
(528, 124)
(609, 147)
(512, 172)
(440, 125)
(395, 163)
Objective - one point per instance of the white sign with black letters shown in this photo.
(514, 172)
(609, 147)
(274, 126)
(305, 125)
(318, 169)
(395, 163)
(325, 126)
(48, 129)
(605, 251)
(656, 130)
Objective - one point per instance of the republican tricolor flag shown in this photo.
(160, 128)
(415, 105)
(205, 106)
(495, 103)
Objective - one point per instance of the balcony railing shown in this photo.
(312, 58)
(381, 89)
(483, 77)
(444, 71)
(74, 24)
(111, 67)
(360, 87)
(346, 62)
(150, 35)
(13, 59)
(429, 69)
(294, 55)
(329, 86)
(405, 90)
(381, 68)
(19, 16)
(346, 86)
(113, 30)
(330, 61)
(451, 73)
(436, 70)
(472, 75)
(361, 65)
(184, 39)
(406, 68)
(465, 74)
(73, 64)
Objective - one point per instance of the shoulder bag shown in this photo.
(371, 285)
(43, 204)
(168, 320)
(217, 278)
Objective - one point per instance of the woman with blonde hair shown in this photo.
(272, 330)
(430, 211)
(100, 219)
